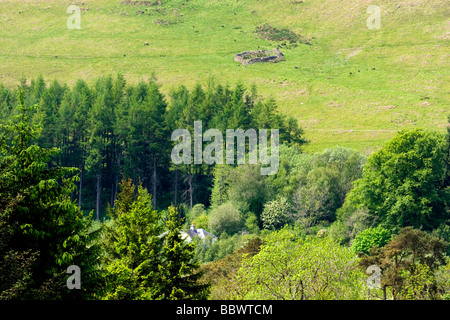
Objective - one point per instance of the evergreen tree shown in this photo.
(219, 193)
(402, 259)
(447, 157)
(102, 140)
(179, 278)
(48, 232)
(7, 101)
(291, 133)
(33, 93)
(132, 245)
(178, 100)
(240, 113)
(73, 131)
(150, 143)
(48, 114)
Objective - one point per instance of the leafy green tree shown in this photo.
(443, 281)
(178, 274)
(276, 213)
(293, 167)
(369, 238)
(209, 249)
(201, 221)
(351, 220)
(291, 267)
(197, 211)
(225, 218)
(199, 217)
(411, 256)
(414, 281)
(251, 223)
(47, 231)
(314, 201)
(223, 273)
(443, 231)
(343, 166)
(323, 186)
(247, 189)
(403, 183)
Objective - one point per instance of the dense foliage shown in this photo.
(112, 129)
(408, 263)
(292, 267)
(43, 231)
(369, 238)
(310, 231)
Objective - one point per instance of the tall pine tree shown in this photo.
(179, 277)
(46, 226)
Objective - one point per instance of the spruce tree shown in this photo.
(46, 227)
(179, 278)
(132, 245)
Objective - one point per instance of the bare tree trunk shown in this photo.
(113, 185)
(191, 189)
(176, 187)
(154, 181)
(81, 187)
(116, 187)
(99, 188)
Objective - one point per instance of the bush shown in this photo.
(201, 222)
(268, 32)
(209, 250)
(276, 213)
(369, 238)
(222, 274)
(251, 223)
(197, 211)
(225, 218)
(291, 267)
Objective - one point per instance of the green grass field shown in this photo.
(353, 87)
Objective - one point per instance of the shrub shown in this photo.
(276, 213)
(201, 222)
(268, 32)
(369, 238)
(291, 267)
(251, 223)
(225, 218)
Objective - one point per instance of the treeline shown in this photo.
(112, 130)
(332, 213)
(49, 250)
(337, 192)
(331, 218)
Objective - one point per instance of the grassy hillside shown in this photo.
(352, 86)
